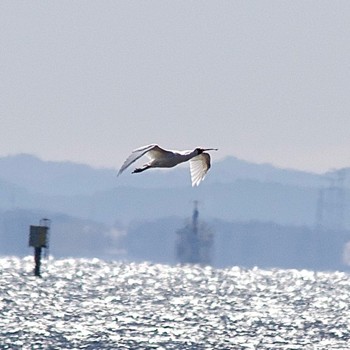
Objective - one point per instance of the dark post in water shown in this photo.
(38, 238)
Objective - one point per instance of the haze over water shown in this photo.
(94, 304)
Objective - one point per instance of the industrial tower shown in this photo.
(194, 242)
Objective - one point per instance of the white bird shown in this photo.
(161, 158)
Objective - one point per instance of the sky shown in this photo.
(264, 81)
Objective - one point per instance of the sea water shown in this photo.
(95, 304)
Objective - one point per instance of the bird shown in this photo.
(162, 158)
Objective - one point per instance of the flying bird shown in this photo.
(162, 158)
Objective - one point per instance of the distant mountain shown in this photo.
(67, 178)
(233, 190)
(96, 213)
(54, 178)
(231, 169)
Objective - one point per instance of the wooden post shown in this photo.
(37, 259)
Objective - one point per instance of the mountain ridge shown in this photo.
(233, 190)
(69, 178)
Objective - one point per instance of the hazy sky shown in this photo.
(265, 81)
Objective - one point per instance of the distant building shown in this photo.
(194, 243)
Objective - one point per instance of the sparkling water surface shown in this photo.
(94, 304)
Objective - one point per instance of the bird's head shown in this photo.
(200, 150)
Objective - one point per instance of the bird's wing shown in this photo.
(199, 166)
(134, 156)
(157, 152)
(153, 151)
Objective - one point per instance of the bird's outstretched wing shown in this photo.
(157, 152)
(153, 151)
(199, 167)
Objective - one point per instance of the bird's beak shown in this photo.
(210, 149)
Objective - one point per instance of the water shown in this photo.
(93, 304)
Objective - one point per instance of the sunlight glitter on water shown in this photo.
(93, 304)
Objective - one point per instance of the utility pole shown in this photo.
(331, 202)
